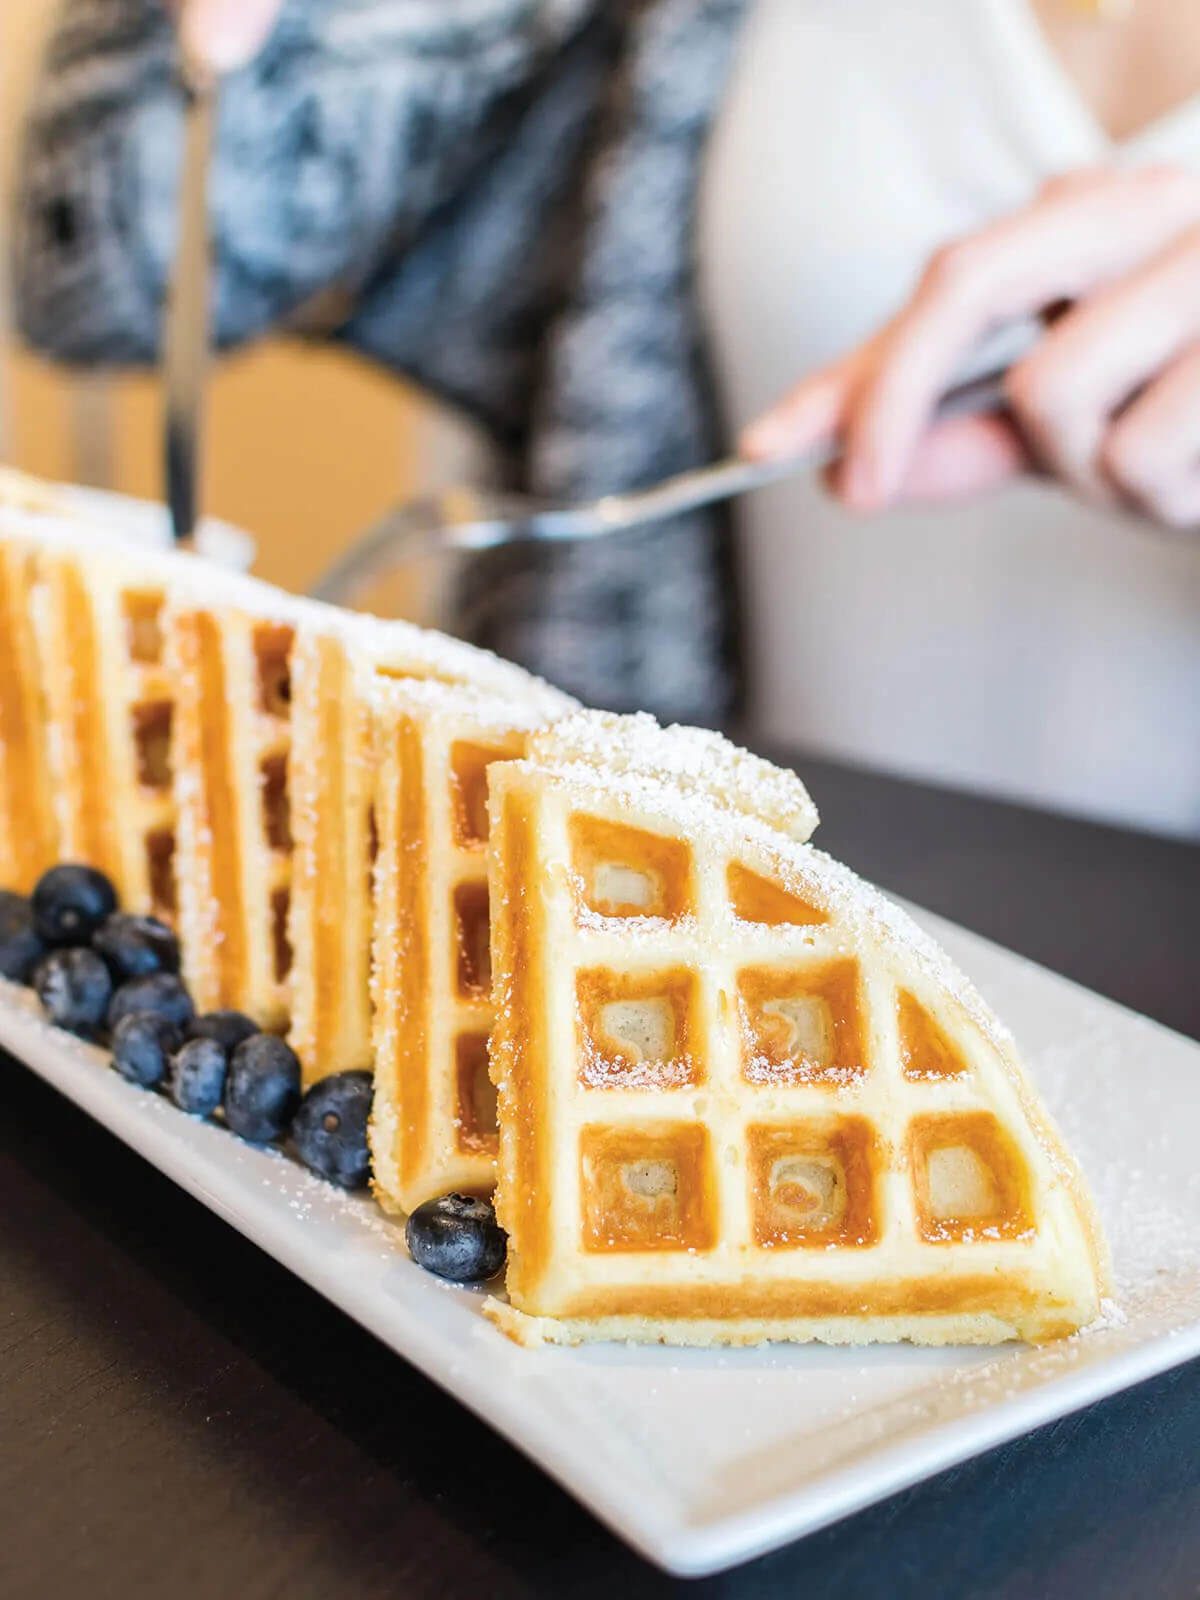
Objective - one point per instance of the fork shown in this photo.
(460, 520)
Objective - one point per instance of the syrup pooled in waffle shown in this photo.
(334, 671)
(433, 1122)
(741, 1095)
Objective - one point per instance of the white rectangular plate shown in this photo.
(703, 1459)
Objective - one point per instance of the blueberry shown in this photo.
(262, 1090)
(228, 1028)
(21, 946)
(74, 987)
(330, 1128)
(457, 1236)
(70, 903)
(134, 947)
(197, 1076)
(142, 1042)
(160, 992)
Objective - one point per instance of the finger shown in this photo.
(1057, 249)
(1152, 451)
(1098, 355)
(810, 414)
(956, 459)
(222, 35)
(967, 456)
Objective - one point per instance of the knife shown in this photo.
(186, 333)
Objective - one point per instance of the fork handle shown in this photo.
(723, 480)
(420, 530)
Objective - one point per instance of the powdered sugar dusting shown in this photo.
(694, 814)
(760, 1069)
(693, 760)
(599, 1071)
(134, 546)
(488, 710)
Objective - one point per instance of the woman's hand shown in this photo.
(222, 35)
(1109, 397)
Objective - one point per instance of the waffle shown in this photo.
(433, 1123)
(109, 708)
(741, 1096)
(84, 712)
(232, 741)
(335, 669)
(20, 491)
(28, 827)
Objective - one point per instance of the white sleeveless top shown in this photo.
(1024, 644)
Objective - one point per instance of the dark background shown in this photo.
(180, 1417)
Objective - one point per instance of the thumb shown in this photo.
(222, 35)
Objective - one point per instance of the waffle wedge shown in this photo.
(84, 711)
(28, 826)
(230, 663)
(741, 1096)
(21, 491)
(334, 673)
(433, 1122)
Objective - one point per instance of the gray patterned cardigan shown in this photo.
(492, 196)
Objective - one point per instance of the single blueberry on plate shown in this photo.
(330, 1128)
(142, 1043)
(70, 902)
(228, 1028)
(262, 1090)
(457, 1237)
(74, 987)
(21, 946)
(196, 1076)
(134, 947)
(160, 992)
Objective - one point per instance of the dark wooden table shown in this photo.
(179, 1417)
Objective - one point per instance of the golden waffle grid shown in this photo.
(699, 1251)
(433, 1123)
(110, 704)
(28, 826)
(335, 673)
(162, 687)
(232, 747)
(84, 719)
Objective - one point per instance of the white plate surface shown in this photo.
(703, 1459)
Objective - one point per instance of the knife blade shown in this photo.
(186, 333)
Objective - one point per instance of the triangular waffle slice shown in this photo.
(741, 1096)
(433, 1126)
(229, 660)
(109, 708)
(335, 666)
(28, 824)
(84, 707)
(20, 491)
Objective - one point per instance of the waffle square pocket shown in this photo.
(646, 1187)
